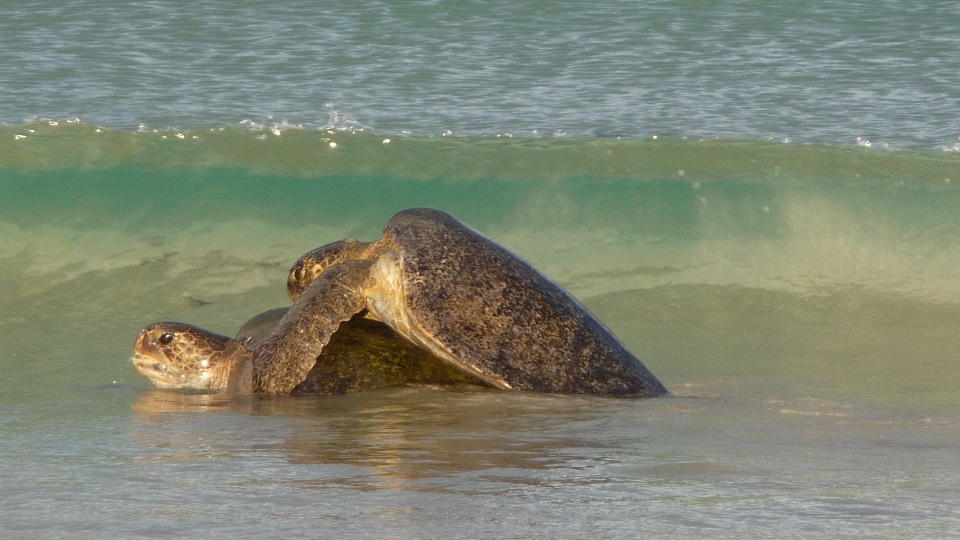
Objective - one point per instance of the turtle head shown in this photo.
(313, 263)
(177, 355)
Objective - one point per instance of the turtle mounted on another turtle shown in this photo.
(448, 290)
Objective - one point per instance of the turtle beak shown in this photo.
(147, 366)
(140, 345)
(294, 288)
(158, 372)
(145, 362)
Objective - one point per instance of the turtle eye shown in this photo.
(166, 338)
(298, 271)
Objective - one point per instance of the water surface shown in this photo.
(759, 199)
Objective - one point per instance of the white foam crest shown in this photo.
(336, 121)
(339, 121)
(275, 127)
(954, 148)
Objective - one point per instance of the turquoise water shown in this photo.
(800, 299)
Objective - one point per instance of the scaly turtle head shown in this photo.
(177, 355)
(313, 263)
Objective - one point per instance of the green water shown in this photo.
(801, 239)
(799, 301)
(759, 199)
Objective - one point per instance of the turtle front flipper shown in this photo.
(287, 356)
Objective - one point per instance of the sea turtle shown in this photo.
(362, 355)
(451, 291)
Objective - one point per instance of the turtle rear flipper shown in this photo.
(287, 356)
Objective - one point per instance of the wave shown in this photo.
(227, 209)
(310, 150)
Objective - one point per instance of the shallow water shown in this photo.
(424, 462)
(801, 310)
(800, 300)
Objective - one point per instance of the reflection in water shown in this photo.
(407, 438)
(425, 462)
(150, 405)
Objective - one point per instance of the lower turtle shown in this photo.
(363, 354)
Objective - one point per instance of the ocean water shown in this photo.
(762, 200)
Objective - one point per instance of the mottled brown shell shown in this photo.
(475, 304)
(497, 313)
